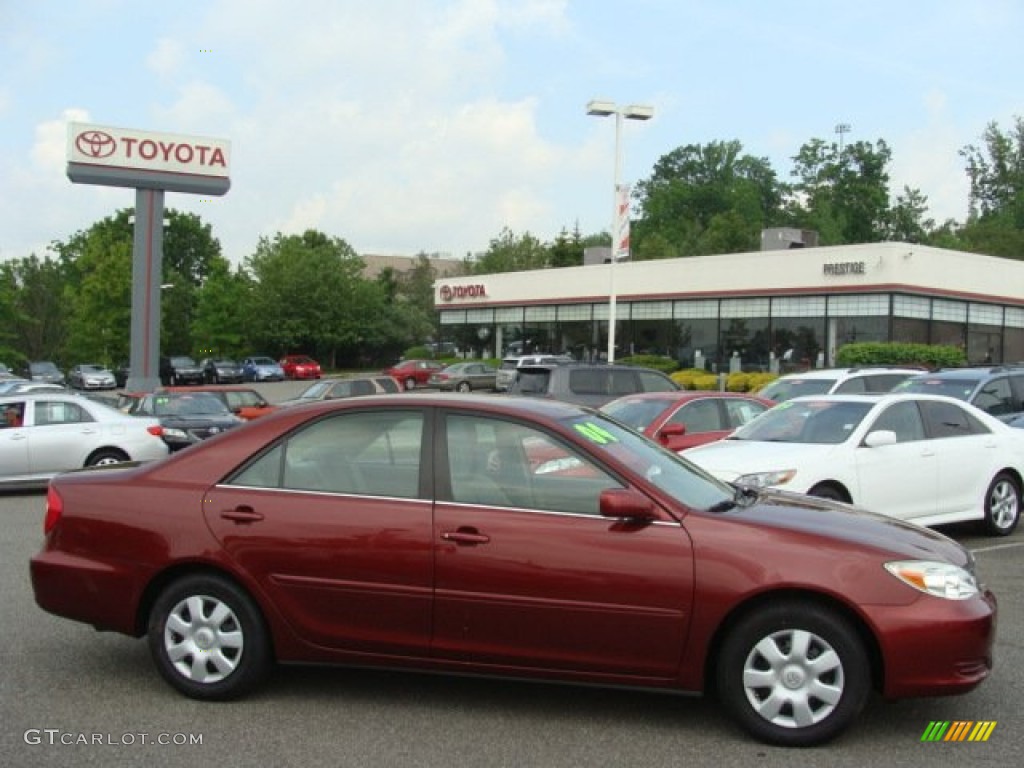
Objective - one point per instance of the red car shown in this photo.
(681, 420)
(299, 367)
(414, 373)
(414, 531)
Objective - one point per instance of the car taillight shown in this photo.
(54, 509)
(156, 430)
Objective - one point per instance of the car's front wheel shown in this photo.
(1002, 505)
(207, 638)
(464, 386)
(794, 674)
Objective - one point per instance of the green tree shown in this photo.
(309, 296)
(37, 308)
(703, 199)
(907, 222)
(509, 252)
(222, 311)
(995, 222)
(843, 194)
(567, 249)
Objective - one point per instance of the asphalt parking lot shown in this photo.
(72, 696)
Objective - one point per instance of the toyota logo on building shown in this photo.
(450, 292)
(96, 144)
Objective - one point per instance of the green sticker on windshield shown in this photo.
(595, 434)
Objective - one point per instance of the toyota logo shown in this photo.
(446, 293)
(96, 144)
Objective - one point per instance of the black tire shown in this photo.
(464, 386)
(1002, 505)
(236, 647)
(828, 491)
(106, 456)
(768, 699)
(409, 384)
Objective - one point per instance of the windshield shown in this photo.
(959, 388)
(825, 422)
(785, 389)
(665, 469)
(183, 362)
(316, 390)
(189, 405)
(263, 361)
(636, 413)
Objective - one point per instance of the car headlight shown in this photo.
(938, 579)
(764, 479)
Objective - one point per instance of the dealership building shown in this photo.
(768, 310)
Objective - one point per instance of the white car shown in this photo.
(923, 458)
(43, 434)
(837, 381)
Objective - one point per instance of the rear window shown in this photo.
(784, 389)
(387, 384)
(532, 382)
(960, 388)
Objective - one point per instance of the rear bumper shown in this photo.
(70, 586)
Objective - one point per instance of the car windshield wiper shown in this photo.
(743, 497)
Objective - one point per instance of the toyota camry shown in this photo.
(509, 536)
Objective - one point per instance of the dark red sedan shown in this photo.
(414, 373)
(681, 420)
(300, 367)
(421, 531)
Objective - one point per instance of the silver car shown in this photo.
(43, 434)
(91, 376)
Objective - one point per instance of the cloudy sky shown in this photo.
(430, 125)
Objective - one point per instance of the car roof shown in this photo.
(972, 373)
(833, 373)
(690, 394)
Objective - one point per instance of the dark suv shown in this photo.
(995, 389)
(592, 385)
(180, 369)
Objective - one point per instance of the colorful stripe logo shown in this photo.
(958, 730)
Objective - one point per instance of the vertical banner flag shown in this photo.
(620, 241)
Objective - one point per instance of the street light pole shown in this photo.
(632, 112)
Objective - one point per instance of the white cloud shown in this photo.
(49, 151)
(167, 58)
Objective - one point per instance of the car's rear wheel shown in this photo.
(464, 386)
(106, 456)
(207, 638)
(1002, 505)
(794, 674)
(409, 384)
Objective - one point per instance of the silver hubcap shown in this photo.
(793, 678)
(1004, 504)
(107, 460)
(203, 639)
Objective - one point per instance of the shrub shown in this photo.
(657, 362)
(418, 353)
(685, 378)
(900, 353)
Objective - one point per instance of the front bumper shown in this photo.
(936, 647)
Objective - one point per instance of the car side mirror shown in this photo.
(880, 437)
(666, 433)
(619, 503)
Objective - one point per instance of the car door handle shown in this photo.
(241, 515)
(464, 536)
